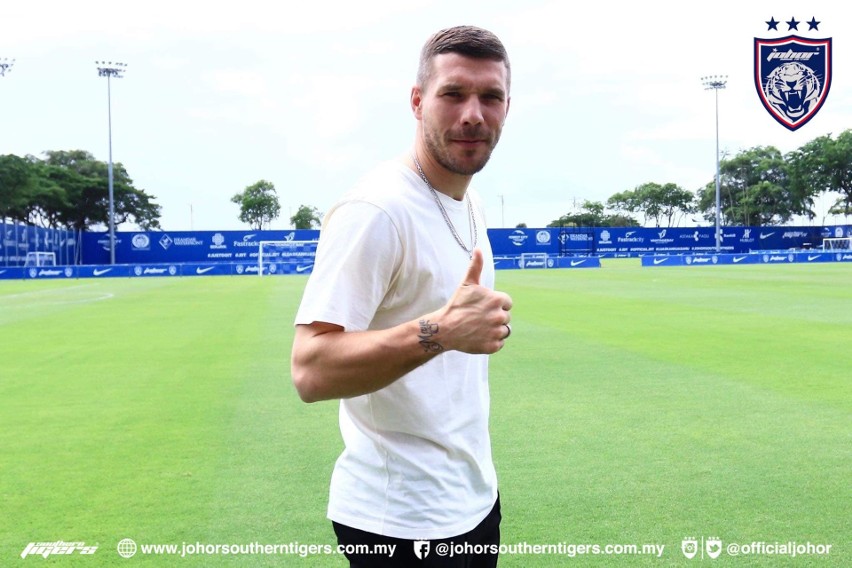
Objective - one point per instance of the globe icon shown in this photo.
(126, 548)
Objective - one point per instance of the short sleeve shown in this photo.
(358, 256)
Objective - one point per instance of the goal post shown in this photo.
(285, 257)
(837, 243)
(40, 259)
(535, 260)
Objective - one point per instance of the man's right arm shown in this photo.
(328, 362)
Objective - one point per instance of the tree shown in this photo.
(258, 204)
(825, 165)
(671, 200)
(841, 207)
(592, 215)
(85, 182)
(629, 201)
(306, 218)
(618, 220)
(71, 189)
(47, 203)
(17, 182)
(654, 201)
(756, 190)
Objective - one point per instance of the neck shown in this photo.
(444, 181)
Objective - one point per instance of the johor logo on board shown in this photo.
(792, 74)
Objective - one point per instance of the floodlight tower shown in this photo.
(109, 70)
(6, 65)
(717, 82)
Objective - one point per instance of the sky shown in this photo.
(218, 95)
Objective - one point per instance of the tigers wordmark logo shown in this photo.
(60, 547)
(792, 74)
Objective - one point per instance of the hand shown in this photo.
(475, 318)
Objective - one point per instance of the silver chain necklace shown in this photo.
(474, 232)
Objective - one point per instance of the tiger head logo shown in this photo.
(792, 89)
(792, 76)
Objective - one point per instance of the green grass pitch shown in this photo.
(630, 406)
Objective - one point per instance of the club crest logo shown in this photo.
(792, 74)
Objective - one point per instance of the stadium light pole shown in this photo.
(109, 70)
(6, 65)
(717, 82)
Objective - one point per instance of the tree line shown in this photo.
(70, 190)
(758, 187)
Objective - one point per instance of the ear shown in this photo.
(416, 102)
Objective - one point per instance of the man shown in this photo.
(398, 319)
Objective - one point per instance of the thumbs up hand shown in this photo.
(474, 271)
(476, 319)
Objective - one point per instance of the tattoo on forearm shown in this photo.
(427, 332)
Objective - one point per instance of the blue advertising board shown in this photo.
(170, 247)
(151, 270)
(638, 241)
(241, 247)
(778, 257)
(150, 247)
(17, 239)
(518, 262)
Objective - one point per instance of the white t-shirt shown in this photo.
(417, 459)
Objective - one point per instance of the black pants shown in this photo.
(475, 549)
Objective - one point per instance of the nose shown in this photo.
(472, 112)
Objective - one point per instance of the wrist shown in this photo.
(428, 335)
